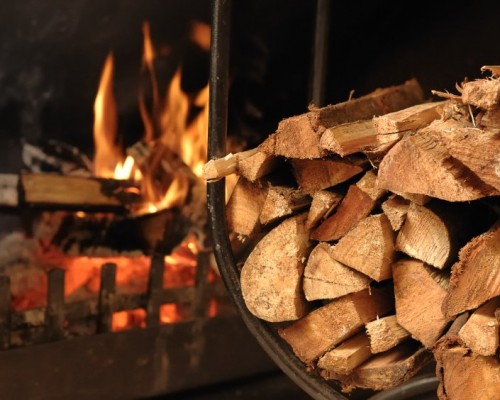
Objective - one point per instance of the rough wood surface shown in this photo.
(368, 184)
(257, 165)
(463, 375)
(491, 119)
(368, 247)
(282, 201)
(326, 278)
(395, 208)
(322, 204)
(418, 301)
(343, 359)
(410, 118)
(475, 278)
(385, 333)
(271, 279)
(483, 93)
(481, 332)
(218, 168)
(327, 326)
(313, 175)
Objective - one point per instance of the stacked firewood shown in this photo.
(368, 232)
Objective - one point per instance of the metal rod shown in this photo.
(199, 305)
(320, 56)
(265, 334)
(155, 285)
(105, 306)
(54, 313)
(4, 312)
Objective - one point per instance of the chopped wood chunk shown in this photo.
(385, 333)
(395, 208)
(245, 205)
(350, 354)
(256, 166)
(474, 279)
(326, 278)
(491, 118)
(368, 247)
(483, 93)
(418, 301)
(271, 279)
(410, 118)
(313, 175)
(216, 169)
(323, 202)
(327, 326)
(420, 199)
(481, 332)
(282, 201)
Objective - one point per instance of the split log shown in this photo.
(491, 119)
(483, 93)
(481, 332)
(271, 279)
(245, 205)
(357, 204)
(326, 278)
(299, 136)
(218, 168)
(313, 175)
(349, 355)
(368, 247)
(256, 166)
(385, 333)
(463, 375)
(474, 279)
(322, 204)
(395, 208)
(327, 326)
(282, 201)
(419, 295)
(420, 199)
(67, 192)
(410, 118)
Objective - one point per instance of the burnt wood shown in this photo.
(54, 313)
(106, 298)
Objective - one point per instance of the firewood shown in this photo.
(322, 204)
(474, 279)
(434, 234)
(420, 199)
(67, 192)
(376, 154)
(422, 164)
(271, 279)
(481, 332)
(282, 201)
(326, 278)
(368, 247)
(256, 166)
(494, 69)
(491, 119)
(356, 205)
(313, 175)
(410, 118)
(327, 326)
(245, 205)
(387, 370)
(395, 208)
(385, 333)
(483, 93)
(419, 295)
(354, 137)
(299, 136)
(218, 168)
(343, 359)
(463, 375)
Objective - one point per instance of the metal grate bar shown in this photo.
(54, 313)
(106, 298)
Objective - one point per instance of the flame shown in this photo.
(200, 34)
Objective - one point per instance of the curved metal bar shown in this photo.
(416, 389)
(320, 56)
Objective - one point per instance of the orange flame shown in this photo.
(200, 34)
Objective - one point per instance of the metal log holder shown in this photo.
(265, 333)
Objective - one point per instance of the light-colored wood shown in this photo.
(271, 278)
(410, 118)
(322, 204)
(418, 301)
(245, 205)
(327, 326)
(282, 201)
(385, 333)
(257, 166)
(483, 93)
(420, 199)
(9, 194)
(368, 247)
(218, 168)
(475, 279)
(481, 332)
(494, 69)
(355, 206)
(343, 359)
(464, 376)
(491, 118)
(395, 208)
(368, 184)
(313, 175)
(326, 278)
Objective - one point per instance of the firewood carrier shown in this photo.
(276, 348)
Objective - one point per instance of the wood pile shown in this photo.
(365, 228)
